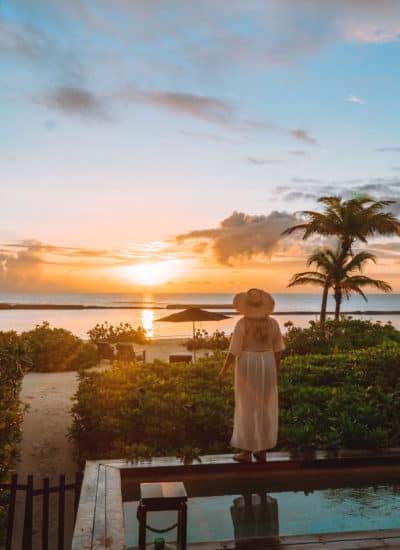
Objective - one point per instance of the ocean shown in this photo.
(149, 307)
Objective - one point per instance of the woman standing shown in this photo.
(256, 344)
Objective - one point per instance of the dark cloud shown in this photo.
(378, 188)
(243, 236)
(207, 108)
(77, 101)
(302, 135)
(388, 149)
(261, 162)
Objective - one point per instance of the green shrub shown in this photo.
(344, 335)
(163, 407)
(57, 349)
(123, 332)
(13, 361)
(326, 401)
(217, 341)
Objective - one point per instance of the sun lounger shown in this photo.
(122, 351)
(180, 358)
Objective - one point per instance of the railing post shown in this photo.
(61, 512)
(11, 511)
(45, 514)
(27, 533)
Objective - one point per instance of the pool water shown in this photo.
(256, 513)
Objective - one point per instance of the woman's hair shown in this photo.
(258, 328)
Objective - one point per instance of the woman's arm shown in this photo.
(230, 358)
(277, 355)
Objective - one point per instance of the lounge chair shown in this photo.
(126, 352)
(106, 350)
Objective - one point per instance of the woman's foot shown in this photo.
(260, 456)
(242, 457)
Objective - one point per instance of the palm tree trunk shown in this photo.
(338, 303)
(322, 317)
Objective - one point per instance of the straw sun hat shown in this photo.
(254, 303)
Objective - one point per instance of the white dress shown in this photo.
(255, 425)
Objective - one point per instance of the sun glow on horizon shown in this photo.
(151, 273)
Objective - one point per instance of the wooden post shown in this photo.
(45, 514)
(27, 533)
(61, 512)
(11, 510)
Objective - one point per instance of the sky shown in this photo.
(168, 143)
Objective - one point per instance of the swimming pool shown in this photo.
(248, 508)
(347, 496)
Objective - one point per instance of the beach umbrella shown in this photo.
(191, 315)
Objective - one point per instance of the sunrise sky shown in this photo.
(167, 143)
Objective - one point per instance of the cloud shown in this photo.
(355, 99)
(300, 195)
(305, 180)
(297, 152)
(302, 135)
(261, 162)
(76, 101)
(30, 44)
(27, 264)
(202, 107)
(378, 188)
(242, 236)
(388, 149)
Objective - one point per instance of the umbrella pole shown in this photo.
(194, 342)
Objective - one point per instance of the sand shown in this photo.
(45, 449)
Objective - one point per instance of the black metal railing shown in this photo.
(44, 491)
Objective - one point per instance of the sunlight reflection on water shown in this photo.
(147, 322)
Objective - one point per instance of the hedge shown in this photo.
(326, 401)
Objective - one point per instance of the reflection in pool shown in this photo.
(261, 514)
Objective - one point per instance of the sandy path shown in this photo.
(45, 450)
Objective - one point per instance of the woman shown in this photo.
(256, 344)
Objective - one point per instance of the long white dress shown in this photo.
(255, 424)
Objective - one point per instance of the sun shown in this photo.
(151, 273)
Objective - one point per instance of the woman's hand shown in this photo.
(230, 358)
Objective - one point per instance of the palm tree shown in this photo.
(339, 277)
(352, 220)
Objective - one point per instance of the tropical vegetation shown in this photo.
(124, 332)
(57, 350)
(349, 221)
(203, 340)
(333, 337)
(337, 396)
(342, 273)
(13, 362)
